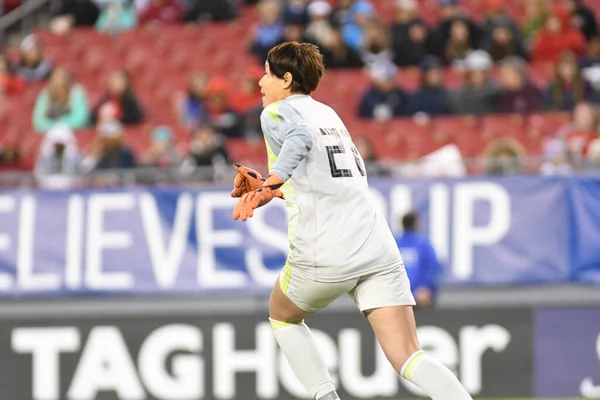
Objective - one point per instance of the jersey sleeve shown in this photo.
(287, 135)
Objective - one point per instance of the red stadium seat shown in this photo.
(547, 124)
(251, 152)
(462, 131)
(453, 78)
(493, 126)
(540, 74)
(409, 79)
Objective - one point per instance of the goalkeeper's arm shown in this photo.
(296, 145)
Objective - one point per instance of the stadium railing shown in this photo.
(222, 174)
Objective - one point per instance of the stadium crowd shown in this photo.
(493, 53)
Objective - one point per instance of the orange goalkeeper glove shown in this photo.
(254, 199)
(245, 181)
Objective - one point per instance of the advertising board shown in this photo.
(192, 358)
(165, 241)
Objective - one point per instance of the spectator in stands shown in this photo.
(372, 165)
(162, 153)
(220, 113)
(555, 162)
(75, 13)
(420, 261)
(590, 66)
(61, 101)
(503, 40)
(582, 17)
(410, 36)
(293, 31)
(120, 100)
(495, 14)
(208, 154)
(384, 99)
(376, 43)
(432, 98)
(518, 94)
(117, 16)
(269, 30)
(213, 10)
(594, 154)
(337, 54)
(568, 86)
(248, 94)
(10, 157)
(458, 45)
(352, 16)
(191, 107)
(536, 13)
(59, 159)
(450, 13)
(319, 28)
(162, 11)
(110, 151)
(252, 127)
(296, 11)
(479, 95)
(577, 135)
(504, 156)
(9, 82)
(32, 65)
(556, 37)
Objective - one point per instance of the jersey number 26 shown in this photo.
(339, 149)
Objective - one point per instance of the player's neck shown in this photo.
(291, 94)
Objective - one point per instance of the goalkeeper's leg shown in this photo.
(396, 332)
(385, 298)
(295, 339)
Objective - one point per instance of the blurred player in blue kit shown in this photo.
(420, 261)
(339, 242)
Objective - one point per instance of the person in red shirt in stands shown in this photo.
(248, 95)
(119, 101)
(165, 11)
(221, 115)
(9, 82)
(556, 37)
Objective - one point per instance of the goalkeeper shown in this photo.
(339, 242)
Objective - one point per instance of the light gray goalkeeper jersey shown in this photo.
(335, 230)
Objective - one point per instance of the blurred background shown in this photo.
(123, 276)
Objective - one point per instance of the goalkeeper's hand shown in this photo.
(254, 199)
(245, 181)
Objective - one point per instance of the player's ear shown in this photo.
(287, 80)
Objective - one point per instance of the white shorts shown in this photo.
(386, 288)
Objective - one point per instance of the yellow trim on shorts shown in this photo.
(284, 282)
(276, 325)
(411, 365)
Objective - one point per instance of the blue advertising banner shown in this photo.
(584, 196)
(157, 240)
(567, 352)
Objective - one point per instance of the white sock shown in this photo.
(300, 348)
(433, 378)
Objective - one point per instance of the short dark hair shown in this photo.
(302, 60)
(409, 221)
